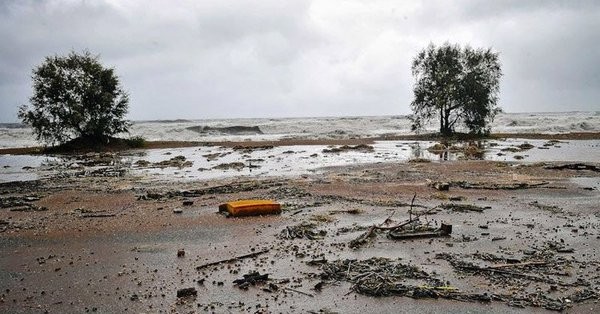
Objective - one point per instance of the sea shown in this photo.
(207, 130)
(209, 162)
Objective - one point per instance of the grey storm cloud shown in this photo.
(216, 59)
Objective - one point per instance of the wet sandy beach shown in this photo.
(524, 235)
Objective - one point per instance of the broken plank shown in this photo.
(250, 255)
(97, 215)
(298, 291)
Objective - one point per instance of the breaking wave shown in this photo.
(14, 135)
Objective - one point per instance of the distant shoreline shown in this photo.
(352, 141)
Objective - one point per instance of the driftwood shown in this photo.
(298, 291)
(367, 234)
(233, 259)
(444, 230)
(409, 221)
(464, 207)
(97, 215)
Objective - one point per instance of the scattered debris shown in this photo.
(245, 149)
(498, 186)
(235, 187)
(251, 278)
(464, 207)
(540, 267)
(440, 186)
(575, 166)
(346, 148)
(419, 160)
(551, 208)
(177, 162)
(271, 287)
(557, 247)
(304, 230)
(378, 276)
(326, 218)
(21, 203)
(353, 211)
(232, 165)
(28, 208)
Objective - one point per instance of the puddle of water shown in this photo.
(23, 167)
(299, 160)
(587, 182)
(576, 150)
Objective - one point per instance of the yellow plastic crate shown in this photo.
(251, 208)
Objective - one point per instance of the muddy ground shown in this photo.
(524, 239)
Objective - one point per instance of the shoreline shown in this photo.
(352, 141)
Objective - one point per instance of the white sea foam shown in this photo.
(325, 128)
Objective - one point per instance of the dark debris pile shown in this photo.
(251, 278)
(235, 187)
(379, 276)
(517, 275)
(21, 203)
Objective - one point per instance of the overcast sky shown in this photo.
(274, 58)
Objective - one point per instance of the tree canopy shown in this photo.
(75, 96)
(457, 86)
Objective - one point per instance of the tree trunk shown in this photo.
(445, 121)
(442, 121)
